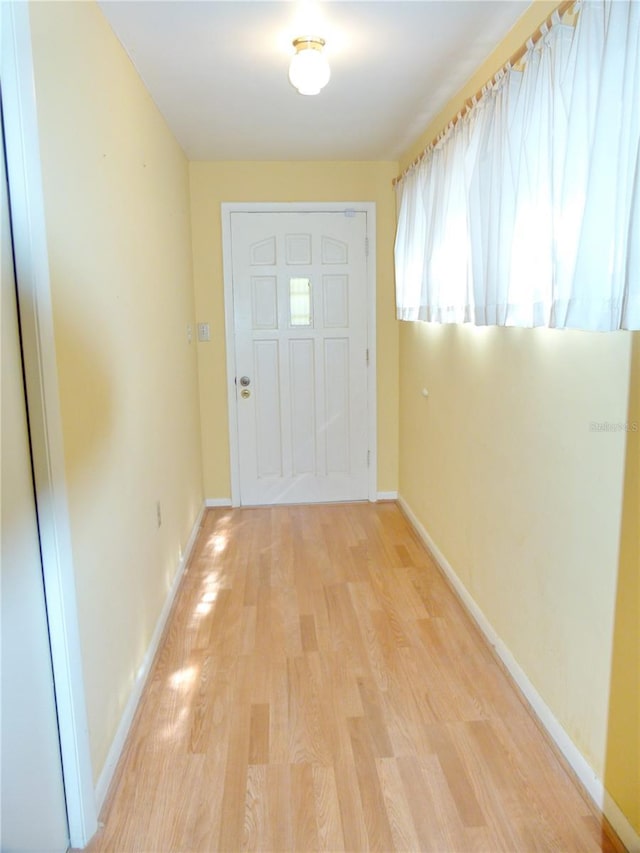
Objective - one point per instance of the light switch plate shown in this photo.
(204, 332)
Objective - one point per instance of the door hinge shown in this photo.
(366, 247)
(368, 459)
(367, 356)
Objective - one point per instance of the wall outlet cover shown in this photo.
(204, 332)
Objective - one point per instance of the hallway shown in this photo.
(319, 687)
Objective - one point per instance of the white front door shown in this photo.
(301, 352)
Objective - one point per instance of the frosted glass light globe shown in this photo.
(309, 71)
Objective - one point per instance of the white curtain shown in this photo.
(527, 212)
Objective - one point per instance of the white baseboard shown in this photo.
(212, 502)
(592, 784)
(387, 496)
(626, 833)
(117, 745)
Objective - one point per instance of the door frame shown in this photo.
(367, 207)
(45, 425)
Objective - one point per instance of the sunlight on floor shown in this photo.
(205, 605)
(176, 729)
(182, 679)
(218, 542)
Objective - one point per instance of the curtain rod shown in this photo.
(560, 10)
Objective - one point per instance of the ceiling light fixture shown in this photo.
(309, 71)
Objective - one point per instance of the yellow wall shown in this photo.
(622, 772)
(213, 183)
(522, 497)
(117, 212)
(525, 501)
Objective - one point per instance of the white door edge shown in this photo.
(367, 207)
(32, 272)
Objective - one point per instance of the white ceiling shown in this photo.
(217, 70)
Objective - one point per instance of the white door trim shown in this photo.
(34, 293)
(367, 207)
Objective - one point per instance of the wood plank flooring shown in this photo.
(319, 687)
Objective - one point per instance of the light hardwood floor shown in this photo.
(319, 687)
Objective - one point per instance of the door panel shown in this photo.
(300, 324)
(303, 409)
(264, 302)
(335, 292)
(336, 368)
(266, 370)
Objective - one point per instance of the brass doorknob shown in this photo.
(245, 393)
